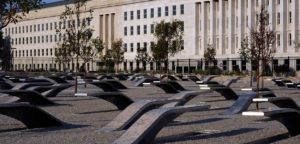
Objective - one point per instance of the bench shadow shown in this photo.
(175, 123)
(12, 130)
(199, 135)
(270, 139)
(92, 112)
(77, 99)
(64, 127)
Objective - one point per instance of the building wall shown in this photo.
(221, 23)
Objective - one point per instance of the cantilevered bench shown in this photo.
(176, 85)
(140, 82)
(29, 96)
(128, 116)
(145, 129)
(205, 80)
(169, 77)
(286, 116)
(281, 102)
(116, 84)
(30, 116)
(106, 87)
(244, 101)
(227, 92)
(118, 99)
(226, 83)
(166, 87)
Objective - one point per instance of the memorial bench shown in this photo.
(145, 129)
(30, 116)
(286, 116)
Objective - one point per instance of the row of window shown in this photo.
(46, 26)
(37, 39)
(130, 47)
(152, 12)
(139, 28)
(35, 52)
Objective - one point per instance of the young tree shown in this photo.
(63, 54)
(117, 53)
(142, 56)
(99, 47)
(209, 55)
(169, 41)
(259, 46)
(12, 11)
(79, 35)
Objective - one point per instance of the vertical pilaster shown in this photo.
(204, 25)
(231, 29)
(197, 28)
(221, 26)
(241, 22)
(212, 22)
(283, 25)
(295, 23)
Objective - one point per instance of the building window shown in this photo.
(125, 31)
(145, 13)
(166, 11)
(125, 47)
(138, 29)
(278, 39)
(152, 28)
(174, 9)
(131, 30)
(278, 18)
(42, 27)
(131, 47)
(145, 29)
(138, 13)
(152, 13)
(298, 64)
(182, 9)
(138, 45)
(159, 12)
(145, 46)
(131, 15)
(51, 26)
(290, 39)
(290, 17)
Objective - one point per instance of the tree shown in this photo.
(142, 56)
(117, 53)
(209, 55)
(169, 40)
(99, 47)
(12, 11)
(77, 36)
(63, 54)
(258, 48)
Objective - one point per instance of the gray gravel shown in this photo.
(85, 115)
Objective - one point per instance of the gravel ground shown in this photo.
(84, 116)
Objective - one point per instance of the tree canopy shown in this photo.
(12, 11)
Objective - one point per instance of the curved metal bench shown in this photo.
(106, 87)
(118, 99)
(176, 85)
(227, 92)
(281, 102)
(145, 129)
(30, 116)
(128, 116)
(166, 87)
(286, 116)
(116, 84)
(244, 101)
(29, 96)
(140, 82)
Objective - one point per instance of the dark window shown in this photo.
(166, 11)
(152, 12)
